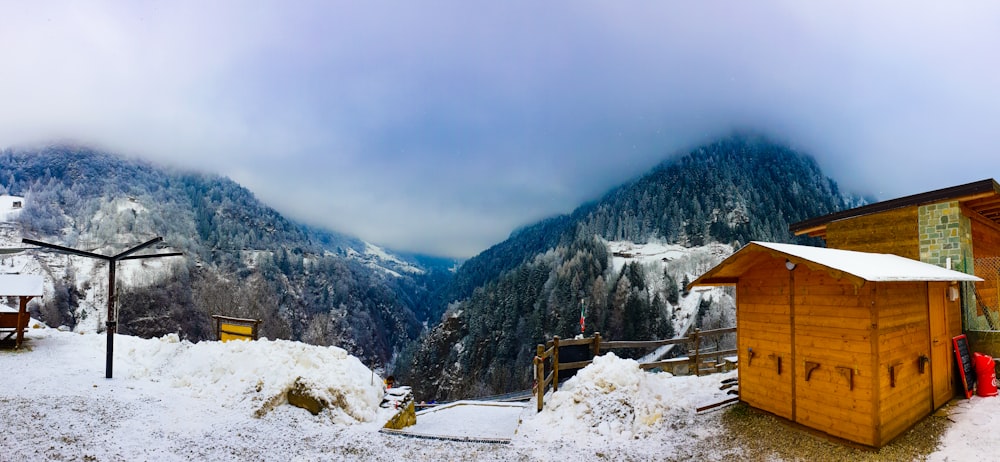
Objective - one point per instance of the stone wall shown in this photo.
(946, 233)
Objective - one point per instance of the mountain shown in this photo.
(522, 291)
(241, 257)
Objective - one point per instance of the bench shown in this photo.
(9, 325)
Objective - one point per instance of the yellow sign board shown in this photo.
(229, 332)
(227, 328)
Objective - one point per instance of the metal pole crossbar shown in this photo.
(112, 322)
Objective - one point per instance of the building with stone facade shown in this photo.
(956, 228)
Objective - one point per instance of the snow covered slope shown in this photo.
(378, 258)
(683, 264)
(175, 401)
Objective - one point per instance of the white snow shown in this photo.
(173, 400)
(867, 266)
(973, 436)
(658, 258)
(10, 207)
(21, 284)
(378, 258)
(613, 400)
(659, 254)
(478, 420)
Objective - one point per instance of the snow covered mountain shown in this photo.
(625, 258)
(241, 258)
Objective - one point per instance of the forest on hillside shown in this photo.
(529, 288)
(242, 258)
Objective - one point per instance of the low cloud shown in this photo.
(441, 127)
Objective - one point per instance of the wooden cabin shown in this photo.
(853, 344)
(956, 227)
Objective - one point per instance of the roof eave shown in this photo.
(969, 191)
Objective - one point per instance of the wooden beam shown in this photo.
(973, 215)
(813, 231)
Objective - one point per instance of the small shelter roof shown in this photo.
(859, 267)
(30, 285)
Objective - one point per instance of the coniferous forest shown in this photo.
(529, 287)
(242, 258)
(449, 333)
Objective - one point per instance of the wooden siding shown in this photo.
(893, 231)
(986, 244)
(903, 336)
(763, 326)
(854, 334)
(985, 238)
(833, 330)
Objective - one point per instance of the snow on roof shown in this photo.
(862, 266)
(21, 284)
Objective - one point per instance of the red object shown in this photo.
(986, 377)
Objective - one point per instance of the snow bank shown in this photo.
(173, 400)
(973, 435)
(614, 400)
(256, 376)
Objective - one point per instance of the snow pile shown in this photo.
(256, 376)
(614, 400)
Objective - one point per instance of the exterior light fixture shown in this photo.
(789, 265)
(953, 293)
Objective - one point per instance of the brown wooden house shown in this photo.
(854, 344)
(956, 227)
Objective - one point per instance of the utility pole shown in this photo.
(112, 322)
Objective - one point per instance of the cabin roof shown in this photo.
(29, 285)
(981, 197)
(858, 267)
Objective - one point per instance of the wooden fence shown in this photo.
(547, 356)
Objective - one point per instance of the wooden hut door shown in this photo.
(940, 345)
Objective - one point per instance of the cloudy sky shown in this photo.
(440, 126)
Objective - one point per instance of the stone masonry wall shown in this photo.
(946, 233)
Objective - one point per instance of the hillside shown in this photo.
(708, 194)
(242, 258)
(530, 287)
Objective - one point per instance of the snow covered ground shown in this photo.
(477, 420)
(173, 400)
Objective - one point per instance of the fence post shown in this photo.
(597, 344)
(555, 363)
(539, 376)
(696, 338)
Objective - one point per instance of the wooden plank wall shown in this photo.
(763, 325)
(894, 231)
(986, 244)
(903, 336)
(986, 240)
(833, 329)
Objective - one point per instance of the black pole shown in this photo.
(112, 323)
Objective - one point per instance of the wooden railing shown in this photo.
(547, 356)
